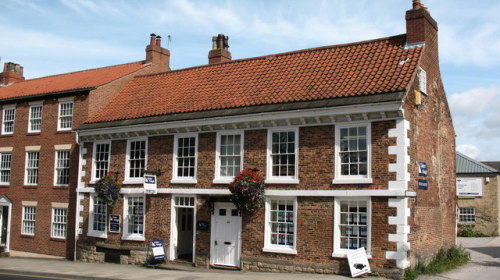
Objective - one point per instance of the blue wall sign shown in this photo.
(201, 225)
(422, 169)
(114, 223)
(423, 184)
(158, 248)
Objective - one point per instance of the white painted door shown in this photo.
(226, 229)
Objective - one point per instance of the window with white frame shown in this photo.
(352, 153)
(134, 211)
(62, 168)
(5, 165)
(185, 152)
(98, 217)
(9, 117)
(35, 118)
(65, 120)
(282, 150)
(136, 159)
(29, 220)
(229, 160)
(352, 224)
(467, 215)
(59, 219)
(281, 225)
(31, 172)
(100, 160)
(422, 80)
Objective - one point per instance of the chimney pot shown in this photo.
(158, 41)
(417, 4)
(219, 52)
(152, 39)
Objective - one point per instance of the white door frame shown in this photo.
(172, 254)
(212, 235)
(4, 201)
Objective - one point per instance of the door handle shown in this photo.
(215, 242)
(227, 243)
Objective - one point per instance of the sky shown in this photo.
(56, 36)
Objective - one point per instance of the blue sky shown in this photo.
(56, 36)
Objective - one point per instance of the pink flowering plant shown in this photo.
(108, 189)
(247, 190)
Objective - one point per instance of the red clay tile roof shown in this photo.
(69, 81)
(363, 68)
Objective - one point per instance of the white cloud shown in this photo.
(476, 101)
(469, 150)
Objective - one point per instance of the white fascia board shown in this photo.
(304, 113)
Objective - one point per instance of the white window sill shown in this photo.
(4, 184)
(352, 181)
(281, 181)
(64, 129)
(133, 237)
(223, 181)
(344, 255)
(56, 185)
(133, 182)
(184, 181)
(97, 234)
(58, 237)
(284, 250)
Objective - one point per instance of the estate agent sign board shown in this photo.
(358, 262)
(469, 186)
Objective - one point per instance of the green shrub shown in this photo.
(446, 259)
(469, 232)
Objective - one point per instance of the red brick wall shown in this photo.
(45, 192)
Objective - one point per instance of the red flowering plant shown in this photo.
(108, 189)
(247, 190)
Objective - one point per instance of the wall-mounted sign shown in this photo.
(422, 184)
(114, 223)
(150, 184)
(469, 186)
(422, 169)
(358, 262)
(201, 225)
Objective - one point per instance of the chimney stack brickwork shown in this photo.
(12, 73)
(219, 52)
(158, 56)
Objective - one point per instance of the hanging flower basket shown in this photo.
(247, 190)
(108, 189)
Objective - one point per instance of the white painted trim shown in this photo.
(400, 150)
(337, 251)
(61, 101)
(52, 223)
(282, 249)
(133, 236)
(303, 113)
(7, 107)
(5, 202)
(55, 165)
(217, 178)
(212, 235)
(31, 106)
(90, 231)
(270, 179)
(172, 254)
(402, 231)
(353, 179)
(135, 180)
(184, 180)
(94, 151)
(26, 166)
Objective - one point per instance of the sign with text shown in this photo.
(114, 223)
(158, 248)
(422, 169)
(150, 184)
(358, 262)
(423, 184)
(469, 186)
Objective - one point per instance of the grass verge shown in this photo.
(446, 259)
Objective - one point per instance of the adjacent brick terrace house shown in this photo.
(336, 131)
(38, 148)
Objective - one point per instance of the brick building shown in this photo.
(336, 131)
(39, 152)
(478, 192)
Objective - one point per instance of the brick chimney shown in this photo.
(155, 54)
(12, 73)
(420, 26)
(219, 52)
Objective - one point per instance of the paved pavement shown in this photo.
(118, 271)
(484, 264)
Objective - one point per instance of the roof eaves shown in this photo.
(333, 102)
(46, 94)
(467, 165)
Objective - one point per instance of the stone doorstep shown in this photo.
(172, 266)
